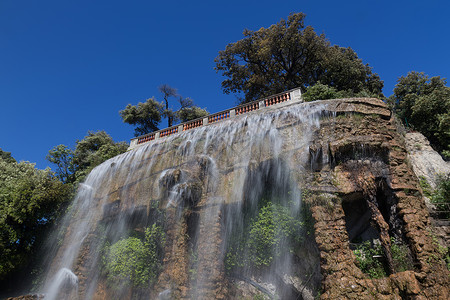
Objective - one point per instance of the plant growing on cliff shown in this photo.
(133, 261)
(400, 256)
(441, 195)
(368, 259)
(271, 232)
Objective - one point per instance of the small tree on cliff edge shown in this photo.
(288, 55)
(147, 116)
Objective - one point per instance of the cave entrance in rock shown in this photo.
(358, 220)
(375, 231)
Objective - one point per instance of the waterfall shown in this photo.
(209, 188)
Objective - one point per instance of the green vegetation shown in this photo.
(370, 258)
(131, 261)
(30, 202)
(423, 104)
(426, 188)
(266, 236)
(147, 116)
(441, 195)
(288, 55)
(270, 232)
(92, 150)
(443, 252)
(321, 91)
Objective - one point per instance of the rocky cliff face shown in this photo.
(339, 166)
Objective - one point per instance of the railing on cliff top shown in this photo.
(290, 95)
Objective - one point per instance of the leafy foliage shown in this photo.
(6, 156)
(370, 258)
(270, 232)
(273, 231)
(402, 262)
(29, 205)
(62, 157)
(135, 262)
(92, 150)
(424, 104)
(188, 111)
(321, 91)
(426, 188)
(288, 55)
(147, 116)
(441, 195)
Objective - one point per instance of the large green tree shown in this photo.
(147, 116)
(424, 104)
(29, 204)
(92, 150)
(288, 55)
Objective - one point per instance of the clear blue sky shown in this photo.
(67, 67)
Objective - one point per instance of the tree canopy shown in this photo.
(92, 150)
(424, 104)
(288, 55)
(29, 204)
(147, 116)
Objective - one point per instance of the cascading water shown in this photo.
(227, 199)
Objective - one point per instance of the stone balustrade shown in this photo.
(293, 95)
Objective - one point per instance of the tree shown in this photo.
(62, 157)
(424, 104)
(167, 92)
(6, 156)
(188, 111)
(92, 150)
(288, 55)
(29, 204)
(95, 148)
(146, 116)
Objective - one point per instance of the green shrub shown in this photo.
(135, 262)
(426, 188)
(269, 234)
(402, 261)
(368, 260)
(441, 195)
(320, 91)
